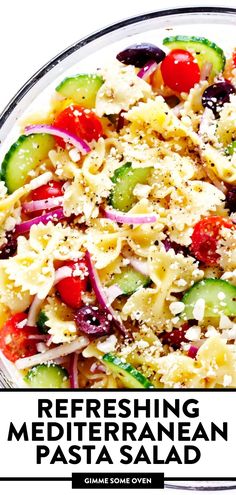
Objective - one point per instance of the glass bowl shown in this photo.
(92, 52)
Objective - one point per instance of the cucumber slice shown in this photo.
(129, 280)
(219, 297)
(82, 89)
(41, 323)
(125, 179)
(23, 156)
(205, 50)
(231, 149)
(128, 375)
(47, 376)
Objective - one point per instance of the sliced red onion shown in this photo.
(74, 382)
(52, 216)
(59, 351)
(78, 143)
(34, 311)
(37, 336)
(112, 292)
(140, 266)
(206, 70)
(177, 109)
(192, 352)
(101, 295)
(41, 347)
(61, 273)
(130, 219)
(147, 70)
(42, 204)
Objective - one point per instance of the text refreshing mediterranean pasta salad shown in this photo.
(118, 226)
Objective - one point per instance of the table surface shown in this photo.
(31, 33)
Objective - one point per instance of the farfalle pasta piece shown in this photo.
(188, 205)
(11, 296)
(32, 267)
(99, 166)
(222, 166)
(217, 362)
(226, 124)
(104, 242)
(227, 249)
(177, 370)
(60, 321)
(121, 89)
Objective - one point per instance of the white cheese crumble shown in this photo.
(108, 345)
(193, 333)
(176, 307)
(199, 309)
(225, 322)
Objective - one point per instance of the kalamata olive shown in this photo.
(168, 244)
(92, 321)
(138, 55)
(231, 200)
(8, 249)
(176, 337)
(216, 95)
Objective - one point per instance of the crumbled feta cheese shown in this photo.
(193, 333)
(225, 322)
(107, 345)
(176, 307)
(199, 309)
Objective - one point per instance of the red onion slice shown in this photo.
(101, 295)
(61, 273)
(74, 382)
(42, 204)
(112, 292)
(126, 218)
(61, 350)
(34, 311)
(78, 143)
(53, 216)
(206, 70)
(147, 70)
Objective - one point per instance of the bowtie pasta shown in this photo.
(118, 226)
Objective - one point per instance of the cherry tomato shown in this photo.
(14, 340)
(205, 237)
(70, 288)
(180, 70)
(80, 121)
(51, 190)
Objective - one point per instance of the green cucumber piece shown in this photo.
(128, 375)
(41, 323)
(129, 280)
(219, 297)
(82, 89)
(231, 149)
(205, 50)
(47, 376)
(23, 156)
(125, 179)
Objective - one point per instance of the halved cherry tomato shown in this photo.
(205, 237)
(180, 70)
(14, 340)
(70, 288)
(80, 121)
(51, 190)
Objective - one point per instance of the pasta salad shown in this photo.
(118, 226)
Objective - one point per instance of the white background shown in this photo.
(32, 32)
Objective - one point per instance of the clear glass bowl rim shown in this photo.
(13, 103)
